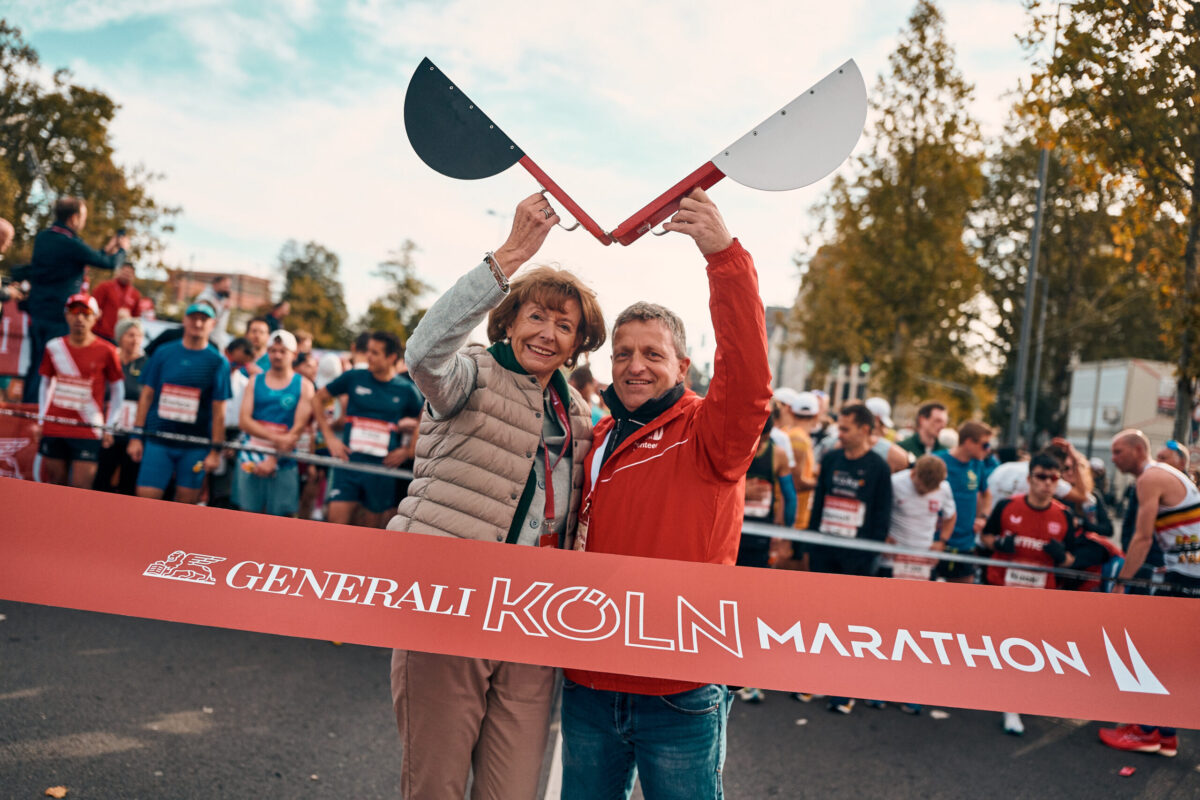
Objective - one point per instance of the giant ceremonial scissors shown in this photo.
(797, 145)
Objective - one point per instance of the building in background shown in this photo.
(1109, 396)
(792, 367)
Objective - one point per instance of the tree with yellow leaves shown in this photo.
(896, 281)
(1121, 86)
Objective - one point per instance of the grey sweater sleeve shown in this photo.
(444, 375)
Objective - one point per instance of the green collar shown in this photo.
(505, 357)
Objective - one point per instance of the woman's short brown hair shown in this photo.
(551, 288)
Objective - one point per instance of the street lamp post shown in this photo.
(1014, 420)
(1035, 382)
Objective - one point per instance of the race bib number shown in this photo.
(370, 437)
(266, 444)
(72, 394)
(179, 403)
(758, 498)
(842, 516)
(1025, 577)
(912, 568)
(128, 415)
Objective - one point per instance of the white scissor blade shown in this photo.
(805, 140)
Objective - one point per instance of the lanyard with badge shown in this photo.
(549, 538)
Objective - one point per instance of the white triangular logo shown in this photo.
(1142, 679)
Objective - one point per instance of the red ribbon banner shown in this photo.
(1095, 656)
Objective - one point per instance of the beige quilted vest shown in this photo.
(471, 468)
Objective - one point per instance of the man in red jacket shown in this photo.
(118, 299)
(664, 480)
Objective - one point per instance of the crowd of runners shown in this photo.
(948, 491)
(202, 414)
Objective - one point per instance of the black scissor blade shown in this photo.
(449, 132)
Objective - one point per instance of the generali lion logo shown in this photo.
(181, 566)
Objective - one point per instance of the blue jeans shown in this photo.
(675, 742)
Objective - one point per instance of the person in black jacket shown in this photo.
(60, 260)
(853, 500)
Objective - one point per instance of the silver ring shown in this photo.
(548, 213)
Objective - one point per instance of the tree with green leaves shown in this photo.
(313, 286)
(55, 140)
(1096, 288)
(397, 311)
(1121, 80)
(896, 282)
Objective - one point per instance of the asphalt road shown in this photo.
(114, 707)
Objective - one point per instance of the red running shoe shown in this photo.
(1133, 738)
(1170, 745)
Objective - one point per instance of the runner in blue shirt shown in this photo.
(275, 412)
(967, 475)
(184, 388)
(382, 410)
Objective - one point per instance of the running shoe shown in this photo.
(842, 708)
(751, 695)
(1133, 738)
(1013, 725)
(803, 697)
(910, 708)
(874, 703)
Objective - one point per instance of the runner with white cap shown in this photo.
(798, 413)
(276, 409)
(897, 458)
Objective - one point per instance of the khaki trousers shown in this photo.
(455, 713)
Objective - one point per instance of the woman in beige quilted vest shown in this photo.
(499, 459)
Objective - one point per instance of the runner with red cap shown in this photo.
(77, 369)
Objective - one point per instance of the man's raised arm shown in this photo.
(736, 407)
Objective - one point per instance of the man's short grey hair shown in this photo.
(648, 312)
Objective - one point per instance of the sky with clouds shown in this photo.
(283, 119)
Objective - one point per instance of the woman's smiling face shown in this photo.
(543, 339)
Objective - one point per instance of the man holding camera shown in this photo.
(60, 261)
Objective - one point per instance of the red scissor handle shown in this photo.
(665, 204)
(570, 205)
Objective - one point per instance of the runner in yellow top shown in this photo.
(798, 416)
